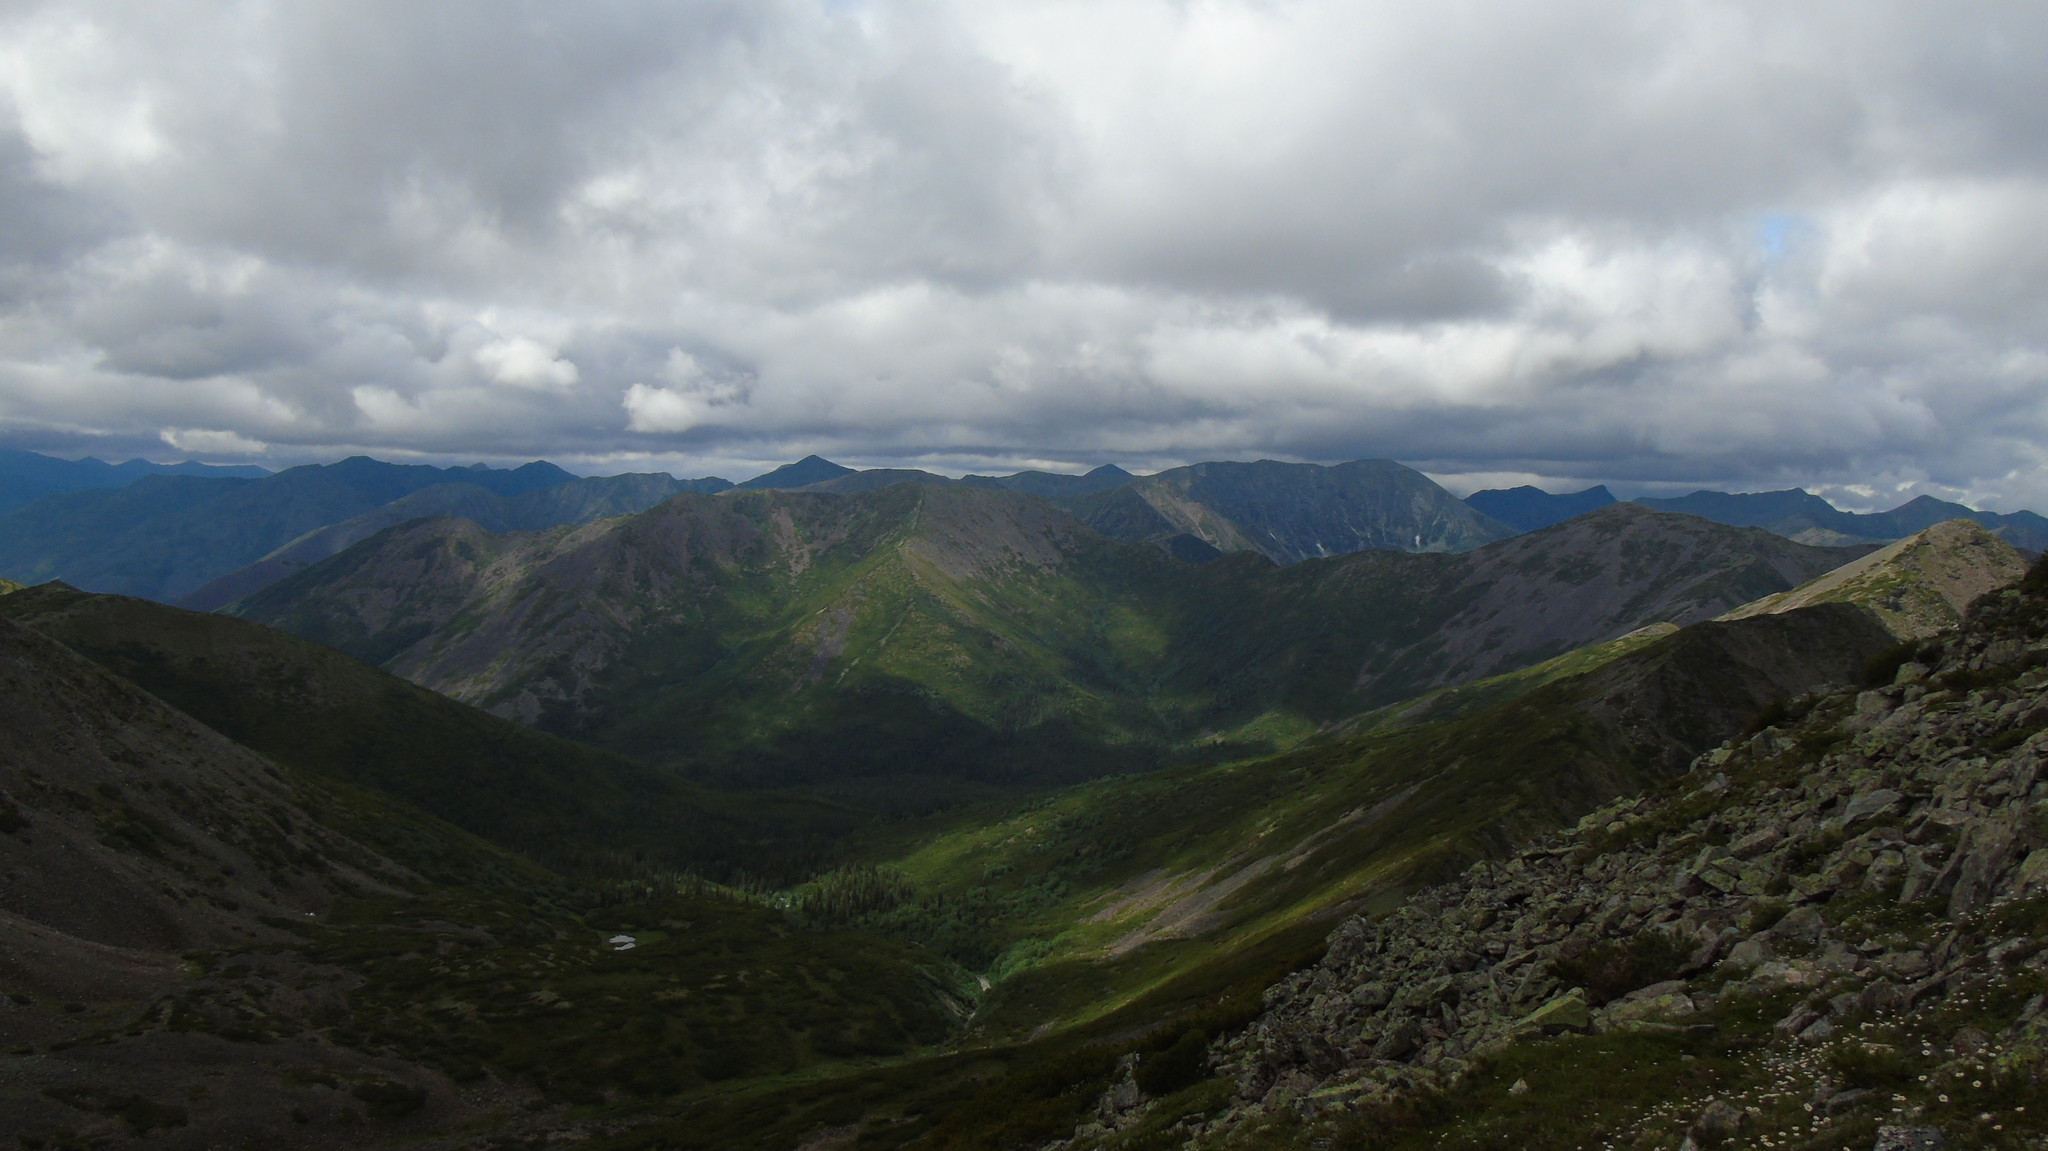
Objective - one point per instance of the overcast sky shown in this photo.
(1653, 243)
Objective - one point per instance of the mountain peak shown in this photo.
(1528, 508)
(1917, 586)
(811, 469)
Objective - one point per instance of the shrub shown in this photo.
(1613, 968)
(387, 1100)
(1883, 667)
(1178, 1067)
(1870, 1065)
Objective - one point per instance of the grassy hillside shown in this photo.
(204, 946)
(585, 811)
(1077, 901)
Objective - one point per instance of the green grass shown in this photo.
(1021, 894)
(469, 982)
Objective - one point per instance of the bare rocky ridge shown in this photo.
(1918, 586)
(1869, 876)
(1290, 512)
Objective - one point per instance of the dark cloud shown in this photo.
(1723, 244)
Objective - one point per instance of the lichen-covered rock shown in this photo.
(1565, 1013)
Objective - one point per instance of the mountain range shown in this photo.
(28, 476)
(1798, 515)
(500, 943)
(209, 541)
(164, 537)
(1285, 512)
(803, 637)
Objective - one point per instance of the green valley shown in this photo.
(380, 914)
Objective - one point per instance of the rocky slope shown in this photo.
(1290, 512)
(131, 837)
(1918, 586)
(147, 829)
(1829, 927)
(314, 709)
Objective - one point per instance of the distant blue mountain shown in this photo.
(1527, 508)
(801, 474)
(1801, 515)
(25, 476)
(1054, 486)
(164, 536)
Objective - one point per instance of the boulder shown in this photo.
(1868, 804)
(1399, 1041)
(1718, 1120)
(2033, 876)
(1980, 859)
(1909, 1138)
(1567, 1012)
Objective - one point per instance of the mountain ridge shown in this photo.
(27, 476)
(1919, 586)
(1017, 639)
(1528, 508)
(163, 537)
(1798, 514)
(573, 501)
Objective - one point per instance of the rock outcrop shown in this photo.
(1918, 586)
(1873, 867)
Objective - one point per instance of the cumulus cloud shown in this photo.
(1717, 244)
(212, 442)
(525, 363)
(692, 397)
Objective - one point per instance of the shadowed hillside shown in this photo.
(201, 947)
(588, 812)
